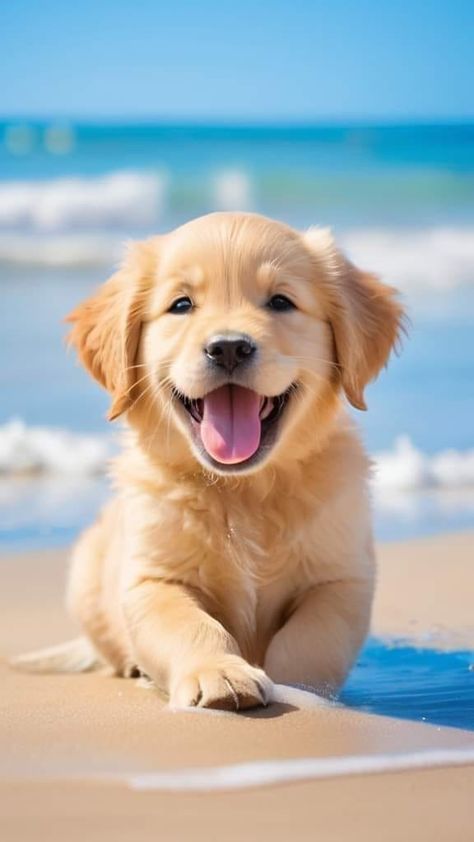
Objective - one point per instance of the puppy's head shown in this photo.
(230, 339)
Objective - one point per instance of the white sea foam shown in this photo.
(440, 258)
(26, 449)
(270, 772)
(280, 694)
(232, 191)
(123, 198)
(406, 468)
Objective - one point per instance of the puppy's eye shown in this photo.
(181, 306)
(281, 304)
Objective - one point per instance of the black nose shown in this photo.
(230, 350)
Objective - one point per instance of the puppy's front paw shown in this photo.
(224, 683)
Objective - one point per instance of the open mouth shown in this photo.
(234, 426)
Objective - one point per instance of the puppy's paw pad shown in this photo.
(232, 685)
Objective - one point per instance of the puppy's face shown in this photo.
(236, 341)
(237, 335)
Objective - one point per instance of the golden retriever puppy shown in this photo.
(237, 551)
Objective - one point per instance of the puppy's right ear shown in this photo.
(106, 327)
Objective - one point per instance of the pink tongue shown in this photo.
(230, 426)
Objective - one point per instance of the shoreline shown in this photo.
(95, 748)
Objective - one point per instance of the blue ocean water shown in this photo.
(412, 174)
(396, 679)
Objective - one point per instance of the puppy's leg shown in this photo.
(91, 603)
(187, 652)
(319, 642)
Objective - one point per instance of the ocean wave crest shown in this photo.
(27, 449)
(232, 190)
(124, 198)
(405, 468)
(41, 450)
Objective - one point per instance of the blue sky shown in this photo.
(232, 61)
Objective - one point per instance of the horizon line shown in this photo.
(167, 121)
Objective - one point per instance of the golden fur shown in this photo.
(217, 582)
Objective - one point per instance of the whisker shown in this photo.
(136, 383)
(141, 395)
(135, 365)
(308, 359)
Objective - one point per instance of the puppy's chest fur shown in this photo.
(249, 556)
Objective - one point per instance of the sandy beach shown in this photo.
(76, 750)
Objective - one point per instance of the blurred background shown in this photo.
(119, 120)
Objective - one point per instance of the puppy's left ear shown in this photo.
(365, 315)
(106, 327)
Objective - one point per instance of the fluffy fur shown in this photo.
(216, 581)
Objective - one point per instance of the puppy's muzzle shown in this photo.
(230, 350)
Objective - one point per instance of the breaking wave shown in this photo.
(40, 450)
(233, 190)
(123, 198)
(405, 468)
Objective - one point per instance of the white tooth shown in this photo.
(266, 408)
